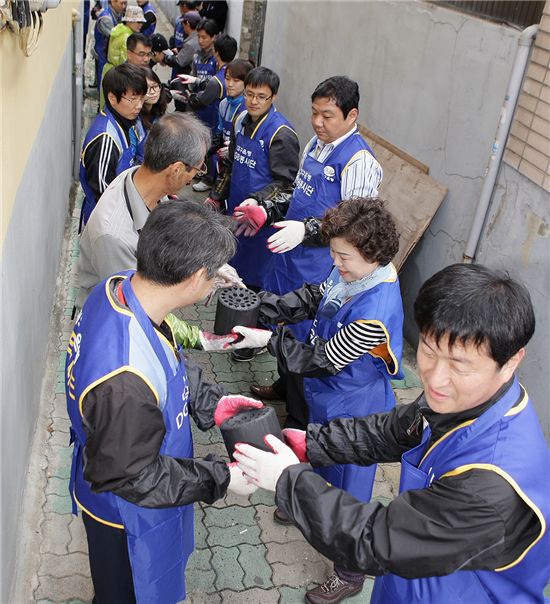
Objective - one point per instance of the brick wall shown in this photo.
(528, 148)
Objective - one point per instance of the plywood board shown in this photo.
(412, 196)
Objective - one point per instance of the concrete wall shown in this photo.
(36, 177)
(234, 15)
(517, 239)
(432, 82)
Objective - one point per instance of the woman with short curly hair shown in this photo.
(355, 344)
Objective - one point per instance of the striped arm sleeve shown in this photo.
(361, 177)
(353, 341)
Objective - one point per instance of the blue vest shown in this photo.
(251, 173)
(229, 108)
(108, 339)
(317, 189)
(179, 34)
(204, 71)
(101, 42)
(209, 115)
(105, 123)
(363, 386)
(506, 439)
(150, 29)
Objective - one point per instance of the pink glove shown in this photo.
(254, 217)
(213, 203)
(231, 405)
(296, 440)
(212, 342)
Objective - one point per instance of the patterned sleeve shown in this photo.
(361, 177)
(353, 341)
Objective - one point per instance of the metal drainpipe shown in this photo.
(78, 88)
(506, 114)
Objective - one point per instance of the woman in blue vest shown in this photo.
(355, 344)
(204, 62)
(154, 107)
(470, 524)
(233, 103)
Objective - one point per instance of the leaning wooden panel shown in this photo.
(413, 197)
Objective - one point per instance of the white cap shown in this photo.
(134, 14)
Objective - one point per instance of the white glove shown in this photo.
(227, 276)
(223, 151)
(290, 235)
(211, 342)
(187, 79)
(262, 468)
(252, 338)
(238, 483)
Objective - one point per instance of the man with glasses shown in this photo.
(118, 42)
(174, 154)
(140, 50)
(261, 163)
(111, 144)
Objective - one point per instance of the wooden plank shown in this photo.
(372, 136)
(411, 195)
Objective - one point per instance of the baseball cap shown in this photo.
(192, 17)
(134, 14)
(158, 42)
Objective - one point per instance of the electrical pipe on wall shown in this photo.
(525, 42)
(78, 71)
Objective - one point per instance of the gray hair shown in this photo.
(176, 137)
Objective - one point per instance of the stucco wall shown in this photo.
(36, 178)
(234, 15)
(516, 239)
(432, 82)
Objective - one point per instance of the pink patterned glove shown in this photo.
(253, 216)
(231, 405)
(214, 343)
(213, 203)
(296, 440)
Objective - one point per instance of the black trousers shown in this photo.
(109, 563)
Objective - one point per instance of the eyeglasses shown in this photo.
(201, 170)
(261, 98)
(142, 54)
(134, 100)
(152, 90)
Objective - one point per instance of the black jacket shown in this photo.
(473, 521)
(125, 429)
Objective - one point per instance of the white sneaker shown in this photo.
(201, 186)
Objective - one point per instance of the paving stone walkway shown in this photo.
(241, 556)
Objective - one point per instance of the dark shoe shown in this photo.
(333, 590)
(266, 393)
(281, 518)
(246, 354)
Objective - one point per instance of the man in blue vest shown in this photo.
(337, 164)
(471, 521)
(176, 41)
(130, 398)
(106, 18)
(150, 14)
(111, 144)
(262, 163)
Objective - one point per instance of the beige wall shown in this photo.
(528, 147)
(25, 90)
